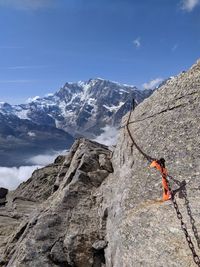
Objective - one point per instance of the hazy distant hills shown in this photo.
(81, 108)
(22, 139)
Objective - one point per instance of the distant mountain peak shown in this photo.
(80, 108)
(94, 81)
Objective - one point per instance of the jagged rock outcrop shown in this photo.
(24, 201)
(103, 208)
(67, 229)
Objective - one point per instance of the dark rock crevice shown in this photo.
(156, 114)
(19, 233)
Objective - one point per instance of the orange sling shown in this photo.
(163, 171)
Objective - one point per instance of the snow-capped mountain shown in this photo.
(82, 108)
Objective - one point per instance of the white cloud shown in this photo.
(37, 97)
(45, 159)
(11, 177)
(32, 99)
(26, 4)
(137, 42)
(189, 5)
(49, 94)
(174, 47)
(152, 84)
(108, 137)
(32, 134)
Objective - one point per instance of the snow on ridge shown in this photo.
(22, 114)
(49, 94)
(31, 134)
(85, 85)
(75, 95)
(64, 112)
(81, 83)
(123, 91)
(118, 83)
(123, 84)
(84, 94)
(33, 99)
(91, 101)
(114, 108)
(128, 85)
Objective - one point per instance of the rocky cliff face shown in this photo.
(64, 224)
(140, 230)
(96, 208)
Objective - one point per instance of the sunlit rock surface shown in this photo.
(140, 230)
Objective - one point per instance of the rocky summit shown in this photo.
(96, 207)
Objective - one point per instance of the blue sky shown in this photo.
(45, 43)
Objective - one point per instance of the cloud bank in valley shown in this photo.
(45, 159)
(152, 84)
(108, 137)
(11, 177)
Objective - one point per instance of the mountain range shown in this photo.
(51, 122)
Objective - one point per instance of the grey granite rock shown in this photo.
(141, 231)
